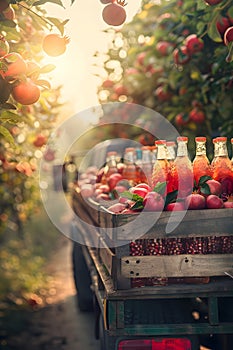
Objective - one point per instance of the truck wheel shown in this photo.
(82, 279)
(106, 342)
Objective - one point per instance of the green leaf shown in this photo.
(7, 106)
(58, 23)
(43, 83)
(42, 2)
(5, 132)
(203, 179)
(171, 197)
(132, 196)
(47, 69)
(205, 189)
(212, 29)
(160, 187)
(138, 205)
(10, 117)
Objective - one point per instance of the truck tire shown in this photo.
(82, 279)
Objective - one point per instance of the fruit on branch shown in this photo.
(222, 24)
(3, 5)
(181, 55)
(228, 36)
(14, 65)
(164, 47)
(181, 119)
(9, 13)
(40, 140)
(193, 44)
(105, 1)
(114, 14)
(197, 116)
(213, 2)
(54, 44)
(26, 92)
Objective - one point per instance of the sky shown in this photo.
(74, 69)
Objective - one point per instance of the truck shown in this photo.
(179, 299)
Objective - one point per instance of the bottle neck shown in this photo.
(129, 158)
(162, 152)
(200, 149)
(171, 153)
(146, 156)
(182, 150)
(220, 149)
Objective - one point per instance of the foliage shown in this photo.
(140, 68)
(21, 125)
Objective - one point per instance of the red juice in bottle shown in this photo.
(161, 165)
(184, 168)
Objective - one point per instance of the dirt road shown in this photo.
(58, 325)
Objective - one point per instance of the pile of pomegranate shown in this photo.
(121, 198)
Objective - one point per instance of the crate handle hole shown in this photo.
(138, 261)
(131, 273)
(186, 260)
(127, 261)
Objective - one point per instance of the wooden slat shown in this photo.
(177, 265)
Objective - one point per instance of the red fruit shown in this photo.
(195, 201)
(4, 46)
(26, 92)
(107, 84)
(49, 155)
(214, 202)
(181, 56)
(120, 189)
(140, 58)
(114, 14)
(213, 2)
(197, 116)
(117, 208)
(9, 13)
(87, 190)
(153, 201)
(144, 185)
(104, 188)
(40, 140)
(228, 204)
(120, 90)
(181, 119)
(15, 64)
(176, 206)
(193, 44)
(222, 24)
(142, 192)
(215, 187)
(113, 180)
(164, 47)
(228, 36)
(162, 94)
(120, 167)
(54, 44)
(3, 5)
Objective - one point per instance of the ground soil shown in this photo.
(57, 324)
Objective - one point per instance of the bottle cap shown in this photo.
(160, 142)
(220, 139)
(232, 140)
(129, 149)
(111, 153)
(171, 144)
(182, 138)
(200, 139)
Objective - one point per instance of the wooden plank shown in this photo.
(106, 256)
(177, 265)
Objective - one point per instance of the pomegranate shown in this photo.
(193, 44)
(176, 206)
(153, 201)
(228, 204)
(54, 44)
(228, 36)
(144, 185)
(215, 187)
(214, 202)
(113, 180)
(195, 201)
(114, 13)
(213, 2)
(15, 64)
(117, 208)
(197, 116)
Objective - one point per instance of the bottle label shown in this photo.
(162, 152)
(182, 149)
(200, 149)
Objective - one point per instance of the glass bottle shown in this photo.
(201, 163)
(161, 166)
(130, 172)
(146, 167)
(110, 167)
(222, 166)
(184, 171)
(153, 154)
(138, 162)
(171, 155)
